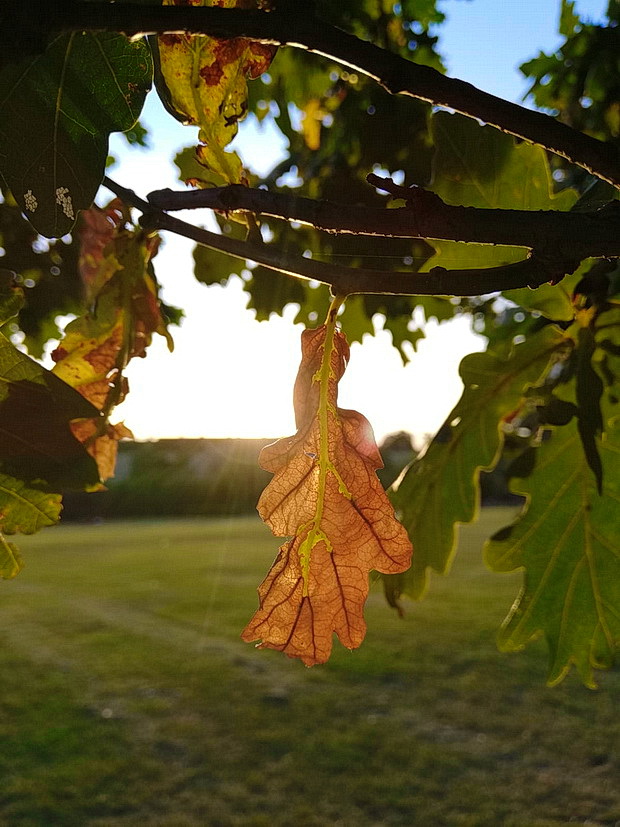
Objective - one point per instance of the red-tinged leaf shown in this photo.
(325, 493)
(101, 443)
(202, 80)
(115, 263)
(98, 230)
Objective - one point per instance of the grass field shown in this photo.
(127, 698)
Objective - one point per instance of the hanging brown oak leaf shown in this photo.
(326, 494)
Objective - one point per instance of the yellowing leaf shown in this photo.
(27, 508)
(10, 560)
(313, 114)
(203, 80)
(325, 493)
(101, 442)
(115, 264)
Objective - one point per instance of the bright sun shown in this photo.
(230, 376)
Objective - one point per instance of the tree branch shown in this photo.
(394, 73)
(574, 235)
(532, 272)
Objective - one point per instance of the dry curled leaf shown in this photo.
(325, 494)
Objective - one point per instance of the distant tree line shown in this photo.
(214, 477)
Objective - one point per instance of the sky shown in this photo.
(231, 376)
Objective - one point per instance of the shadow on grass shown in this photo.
(127, 697)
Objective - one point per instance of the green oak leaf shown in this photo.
(213, 266)
(354, 320)
(554, 301)
(567, 540)
(478, 166)
(270, 292)
(606, 357)
(11, 296)
(313, 303)
(58, 109)
(440, 489)
(569, 21)
(10, 560)
(588, 396)
(398, 328)
(26, 508)
(36, 442)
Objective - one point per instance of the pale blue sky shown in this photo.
(232, 376)
(484, 41)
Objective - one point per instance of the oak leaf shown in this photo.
(202, 80)
(116, 268)
(325, 494)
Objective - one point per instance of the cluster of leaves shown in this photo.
(579, 81)
(55, 424)
(546, 389)
(340, 126)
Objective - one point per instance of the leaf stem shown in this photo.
(315, 533)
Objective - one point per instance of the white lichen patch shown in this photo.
(30, 201)
(64, 199)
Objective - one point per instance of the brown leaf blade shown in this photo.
(326, 494)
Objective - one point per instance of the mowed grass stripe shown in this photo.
(127, 698)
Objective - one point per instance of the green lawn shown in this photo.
(127, 698)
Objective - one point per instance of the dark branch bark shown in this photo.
(395, 74)
(532, 272)
(574, 235)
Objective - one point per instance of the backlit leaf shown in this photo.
(325, 494)
(11, 296)
(440, 489)
(26, 508)
(479, 166)
(10, 560)
(203, 81)
(354, 319)
(58, 109)
(312, 119)
(115, 264)
(568, 542)
(569, 21)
